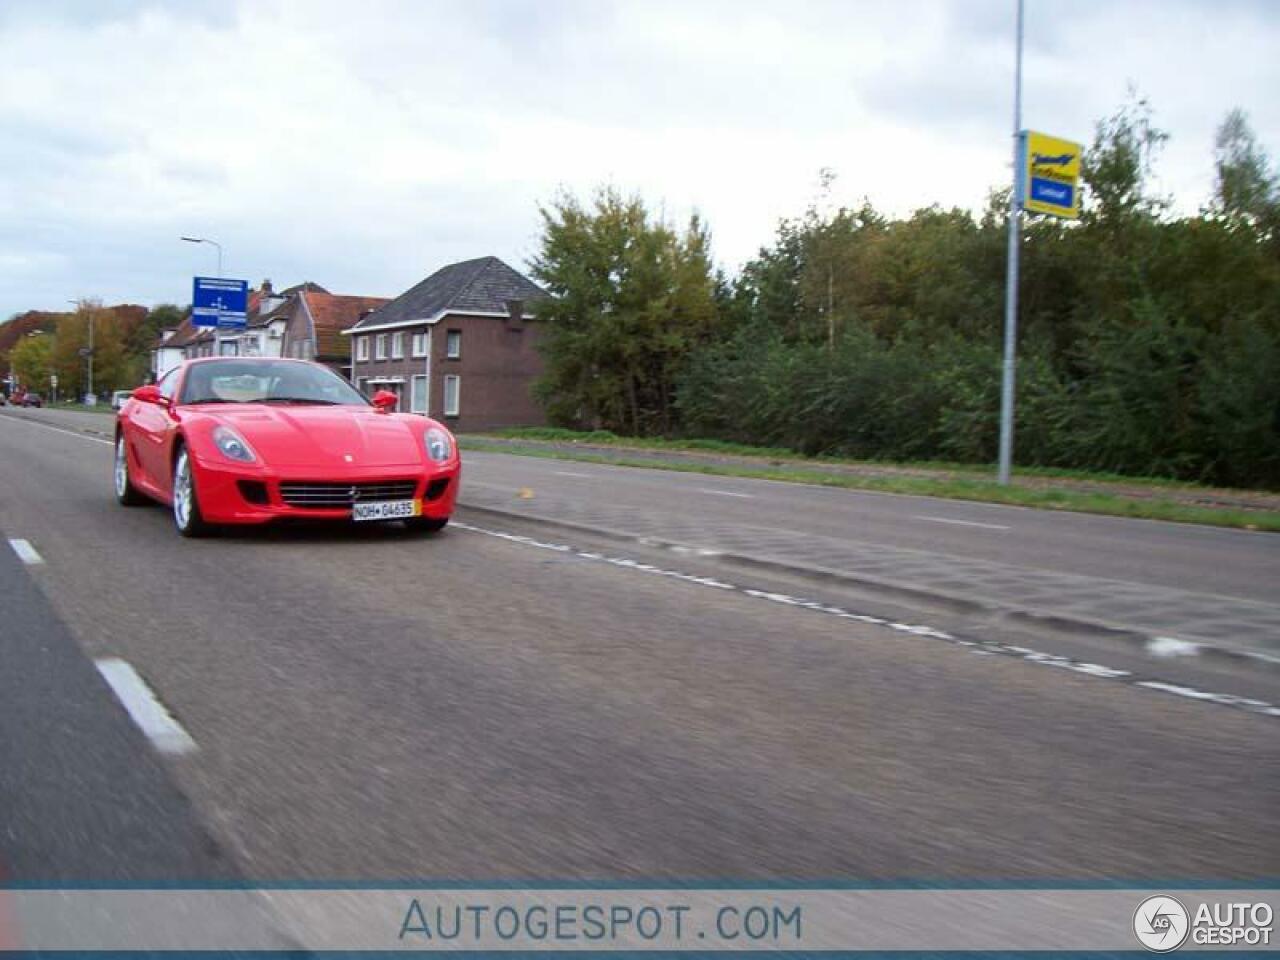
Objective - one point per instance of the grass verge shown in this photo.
(1149, 507)
(81, 408)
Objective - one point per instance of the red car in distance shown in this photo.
(247, 440)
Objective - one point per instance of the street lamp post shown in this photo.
(213, 243)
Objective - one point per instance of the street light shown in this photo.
(214, 243)
(89, 310)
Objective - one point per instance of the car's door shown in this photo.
(149, 431)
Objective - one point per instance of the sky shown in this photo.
(362, 145)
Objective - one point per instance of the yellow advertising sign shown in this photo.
(1051, 175)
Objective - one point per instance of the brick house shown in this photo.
(313, 322)
(460, 346)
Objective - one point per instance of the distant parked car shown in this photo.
(32, 400)
(118, 397)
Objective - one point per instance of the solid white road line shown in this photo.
(962, 523)
(26, 552)
(164, 732)
(726, 493)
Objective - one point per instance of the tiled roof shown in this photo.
(309, 286)
(183, 335)
(331, 314)
(473, 286)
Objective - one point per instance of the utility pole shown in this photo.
(87, 307)
(1011, 281)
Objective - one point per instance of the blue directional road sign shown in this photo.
(218, 302)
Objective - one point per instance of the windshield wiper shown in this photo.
(328, 403)
(212, 400)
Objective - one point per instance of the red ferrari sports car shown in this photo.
(230, 440)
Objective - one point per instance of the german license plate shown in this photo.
(386, 510)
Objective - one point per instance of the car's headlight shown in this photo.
(439, 444)
(232, 445)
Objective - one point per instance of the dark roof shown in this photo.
(473, 286)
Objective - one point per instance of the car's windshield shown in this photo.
(266, 381)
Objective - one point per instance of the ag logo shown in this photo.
(1161, 923)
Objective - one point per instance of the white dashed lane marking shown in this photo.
(1028, 655)
(26, 552)
(570, 473)
(962, 523)
(726, 493)
(164, 732)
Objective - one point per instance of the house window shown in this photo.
(380, 347)
(420, 343)
(362, 348)
(228, 348)
(452, 395)
(397, 345)
(453, 345)
(362, 384)
(418, 401)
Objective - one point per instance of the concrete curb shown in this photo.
(936, 598)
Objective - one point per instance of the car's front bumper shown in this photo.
(246, 494)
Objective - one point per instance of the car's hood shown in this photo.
(324, 436)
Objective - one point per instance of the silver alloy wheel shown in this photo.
(122, 469)
(182, 491)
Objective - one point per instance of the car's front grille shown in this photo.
(327, 496)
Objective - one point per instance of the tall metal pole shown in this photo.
(213, 243)
(88, 309)
(1011, 281)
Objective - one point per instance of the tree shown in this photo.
(1245, 189)
(113, 367)
(31, 361)
(143, 336)
(631, 298)
(1149, 342)
(1118, 165)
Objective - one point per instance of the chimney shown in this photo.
(515, 311)
(266, 287)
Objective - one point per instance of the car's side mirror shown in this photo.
(151, 394)
(385, 401)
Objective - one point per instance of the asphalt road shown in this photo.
(1233, 563)
(476, 706)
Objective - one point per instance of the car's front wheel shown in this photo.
(425, 524)
(186, 504)
(126, 493)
